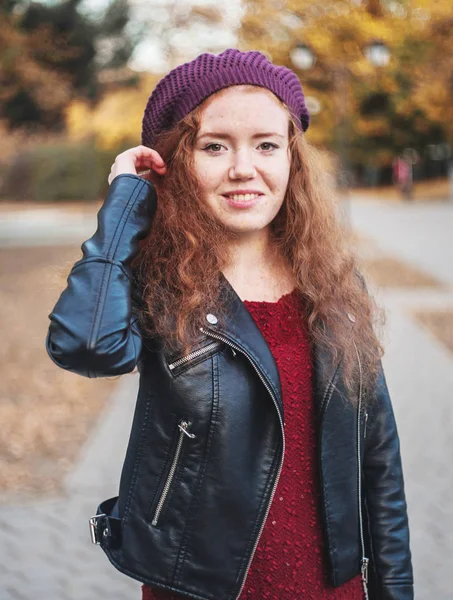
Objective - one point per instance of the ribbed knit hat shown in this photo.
(186, 86)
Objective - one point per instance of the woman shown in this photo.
(264, 458)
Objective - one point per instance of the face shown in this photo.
(241, 157)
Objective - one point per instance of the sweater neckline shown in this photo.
(271, 302)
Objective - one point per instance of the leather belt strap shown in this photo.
(104, 528)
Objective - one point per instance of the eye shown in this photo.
(269, 145)
(213, 147)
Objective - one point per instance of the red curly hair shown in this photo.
(178, 266)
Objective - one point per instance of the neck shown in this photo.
(250, 250)
(256, 268)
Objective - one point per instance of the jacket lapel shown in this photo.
(240, 328)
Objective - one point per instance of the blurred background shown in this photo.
(74, 80)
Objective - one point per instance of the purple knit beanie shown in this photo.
(186, 86)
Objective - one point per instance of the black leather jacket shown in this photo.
(207, 440)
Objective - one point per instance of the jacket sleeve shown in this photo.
(391, 568)
(93, 329)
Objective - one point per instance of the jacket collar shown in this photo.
(239, 328)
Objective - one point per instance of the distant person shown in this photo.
(403, 177)
(264, 458)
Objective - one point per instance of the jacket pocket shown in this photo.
(184, 436)
(178, 365)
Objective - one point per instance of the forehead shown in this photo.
(246, 106)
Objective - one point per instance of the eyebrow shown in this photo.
(227, 136)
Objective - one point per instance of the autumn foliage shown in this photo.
(368, 114)
(408, 103)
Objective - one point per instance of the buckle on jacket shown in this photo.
(93, 528)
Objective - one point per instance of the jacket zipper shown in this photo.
(274, 399)
(324, 404)
(192, 355)
(183, 433)
(365, 561)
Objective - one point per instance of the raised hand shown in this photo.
(140, 160)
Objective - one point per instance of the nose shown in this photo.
(242, 166)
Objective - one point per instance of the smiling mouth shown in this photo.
(242, 197)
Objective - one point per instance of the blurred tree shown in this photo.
(434, 83)
(115, 120)
(376, 110)
(52, 53)
(26, 85)
(180, 29)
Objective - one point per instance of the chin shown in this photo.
(241, 228)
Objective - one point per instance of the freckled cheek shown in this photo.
(278, 181)
(210, 177)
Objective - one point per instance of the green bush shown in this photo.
(59, 172)
(65, 173)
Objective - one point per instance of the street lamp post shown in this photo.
(377, 53)
(303, 58)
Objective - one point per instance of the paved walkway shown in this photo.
(46, 226)
(419, 371)
(45, 547)
(45, 550)
(419, 233)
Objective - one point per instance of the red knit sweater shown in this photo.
(289, 562)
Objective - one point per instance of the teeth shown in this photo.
(243, 197)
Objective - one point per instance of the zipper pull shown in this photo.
(364, 427)
(365, 563)
(233, 352)
(183, 426)
(364, 572)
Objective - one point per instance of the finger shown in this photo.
(145, 150)
(150, 165)
(144, 165)
(150, 175)
(148, 160)
(143, 172)
(148, 153)
(131, 162)
(140, 158)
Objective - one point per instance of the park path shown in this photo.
(45, 550)
(46, 226)
(45, 547)
(419, 371)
